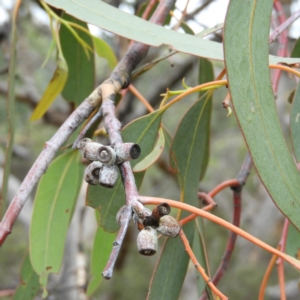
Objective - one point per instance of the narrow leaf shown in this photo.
(100, 253)
(142, 131)
(52, 212)
(29, 282)
(171, 269)
(293, 242)
(246, 54)
(54, 88)
(132, 27)
(199, 248)
(295, 123)
(105, 51)
(81, 77)
(186, 157)
(154, 155)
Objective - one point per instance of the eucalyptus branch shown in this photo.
(119, 79)
(273, 36)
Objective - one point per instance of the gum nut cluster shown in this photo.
(103, 168)
(159, 221)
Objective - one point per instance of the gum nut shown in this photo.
(147, 241)
(92, 173)
(108, 176)
(106, 155)
(168, 226)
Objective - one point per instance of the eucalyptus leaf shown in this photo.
(186, 157)
(53, 208)
(29, 282)
(102, 246)
(246, 54)
(81, 77)
(132, 27)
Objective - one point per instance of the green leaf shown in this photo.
(105, 51)
(154, 155)
(296, 49)
(171, 269)
(142, 131)
(53, 89)
(29, 282)
(199, 249)
(293, 242)
(81, 78)
(206, 74)
(187, 154)
(246, 54)
(100, 254)
(52, 212)
(137, 29)
(295, 123)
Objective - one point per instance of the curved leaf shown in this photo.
(52, 212)
(29, 285)
(100, 254)
(246, 56)
(54, 88)
(142, 131)
(154, 155)
(81, 77)
(105, 51)
(111, 19)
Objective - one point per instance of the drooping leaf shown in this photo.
(100, 253)
(54, 88)
(293, 242)
(52, 212)
(29, 282)
(246, 56)
(105, 51)
(171, 269)
(81, 77)
(296, 50)
(206, 74)
(295, 123)
(186, 156)
(132, 27)
(154, 155)
(142, 131)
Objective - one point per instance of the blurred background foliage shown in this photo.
(260, 217)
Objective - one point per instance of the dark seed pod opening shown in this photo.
(135, 151)
(92, 172)
(164, 209)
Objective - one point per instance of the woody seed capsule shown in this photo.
(127, 151)
(92, 172)
(147, 241)
(108, 176)
(168, 226)
(106, 155)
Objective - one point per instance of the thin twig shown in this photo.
(140, 97)
(280, 262)
(123, 222)
(284, 25)
(266, 276)
(199, 268)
